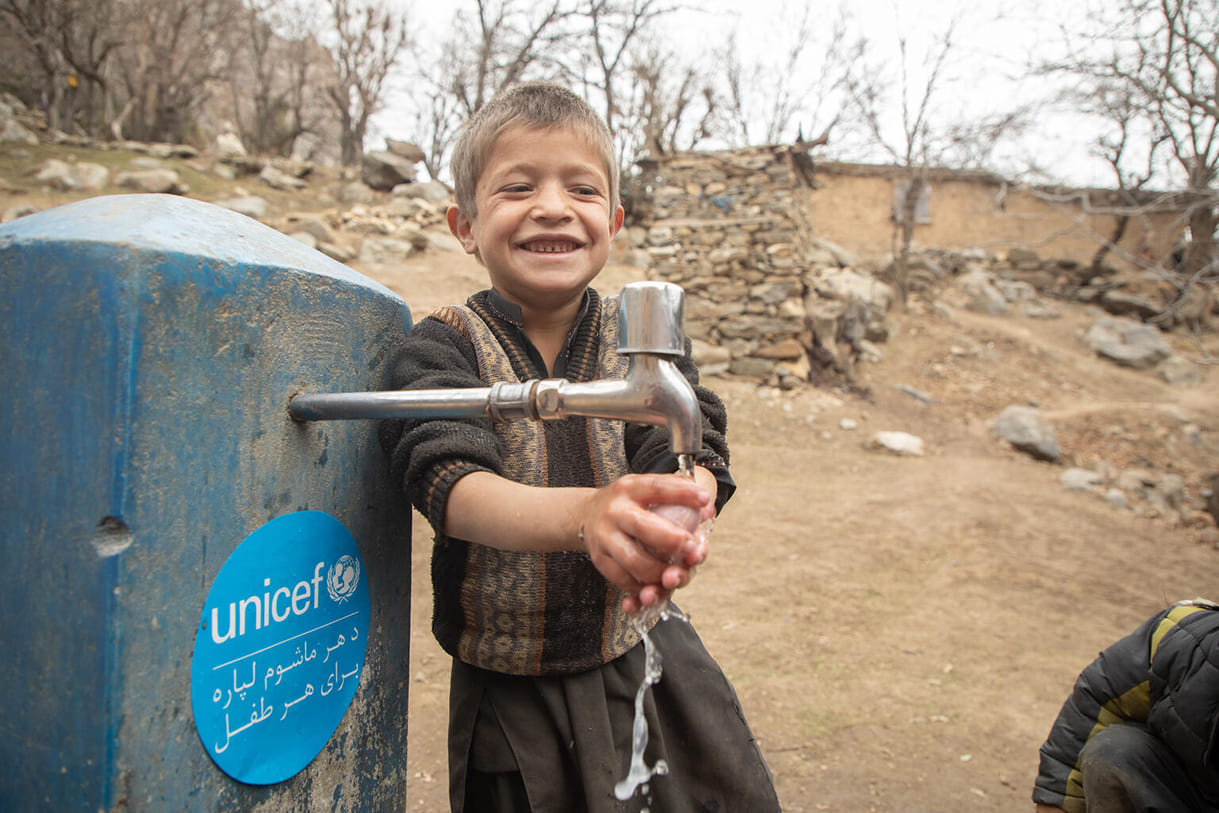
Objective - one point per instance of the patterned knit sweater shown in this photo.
(525, 613)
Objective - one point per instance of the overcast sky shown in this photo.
(993, 43)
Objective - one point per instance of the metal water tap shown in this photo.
(654, 391)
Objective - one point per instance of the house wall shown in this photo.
(853, 204)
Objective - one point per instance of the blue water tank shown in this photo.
(150, 347)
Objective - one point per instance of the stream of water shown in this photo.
(639, 774)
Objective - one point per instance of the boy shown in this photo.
(1140, 730)
(543, 535)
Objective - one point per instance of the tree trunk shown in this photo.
(1119, 229)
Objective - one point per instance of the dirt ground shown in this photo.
(903, 631)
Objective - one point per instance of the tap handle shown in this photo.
(650, 316)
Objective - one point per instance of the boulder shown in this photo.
(70, 177)
(155, 181)
(383, 170)
(1127, 343)
(1028, 431)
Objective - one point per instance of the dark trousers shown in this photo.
(1126, 769)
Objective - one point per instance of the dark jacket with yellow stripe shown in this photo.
(1165, 675)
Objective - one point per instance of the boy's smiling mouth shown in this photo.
(550, 246)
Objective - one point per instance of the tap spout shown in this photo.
(653, 392)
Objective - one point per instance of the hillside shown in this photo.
(901, 630)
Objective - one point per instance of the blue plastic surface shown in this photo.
(150, 346)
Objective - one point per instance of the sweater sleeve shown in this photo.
(647, 447)
(1113, 688)
(428, 455)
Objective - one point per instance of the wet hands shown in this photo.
(647, 553)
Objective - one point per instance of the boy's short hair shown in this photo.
(541, 105)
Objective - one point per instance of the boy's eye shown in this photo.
(517, 187)
(587, 191)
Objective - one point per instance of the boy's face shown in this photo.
(544, 223)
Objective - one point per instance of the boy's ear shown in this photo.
(616, 220)
(460, 225)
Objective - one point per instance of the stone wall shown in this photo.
(764, 298)
(782, 261)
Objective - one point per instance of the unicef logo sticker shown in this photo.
(280, 647)
(343, 578)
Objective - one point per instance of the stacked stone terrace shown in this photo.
(727, 228)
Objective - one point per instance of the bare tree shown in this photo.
(275, 66)
(39, 26)
(437, 112)
(368, 40)
(799, 83)
(89, 36)
(913, 146)
(176, 50)
(921, 135)
(614, 27)
(495, 45)
(1158, 62)
(502, 44)
(669, 105)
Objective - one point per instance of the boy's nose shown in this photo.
(551, 202)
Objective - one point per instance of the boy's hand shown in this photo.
(640, 551)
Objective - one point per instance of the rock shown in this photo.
(278, 179)
(406, 206)
(20, 210)
(355, 192)
(1127, 343)
(431, 191)
(1121, 303)
(405, 149)
(820, 250)
(250, 206)
(709, 358)
(902, 444)
(13, 130)
(1080, 479)
(154, 181)
(1037, 309)
(847, 285)
(1180, 371)
(382, 170)
(384, 250)
(1020, 257)
(1029, 432)
(229, 147)
(442, 242)
(415, 236)
(916, 394)
(983, 296)
(335, 252)
(749, 367)
(304, 237)
(314, 225)
(786, 350)
(1015, 290)
(66, 177)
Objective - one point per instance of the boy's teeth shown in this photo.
(550, 248)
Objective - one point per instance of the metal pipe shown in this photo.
(653, 392)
